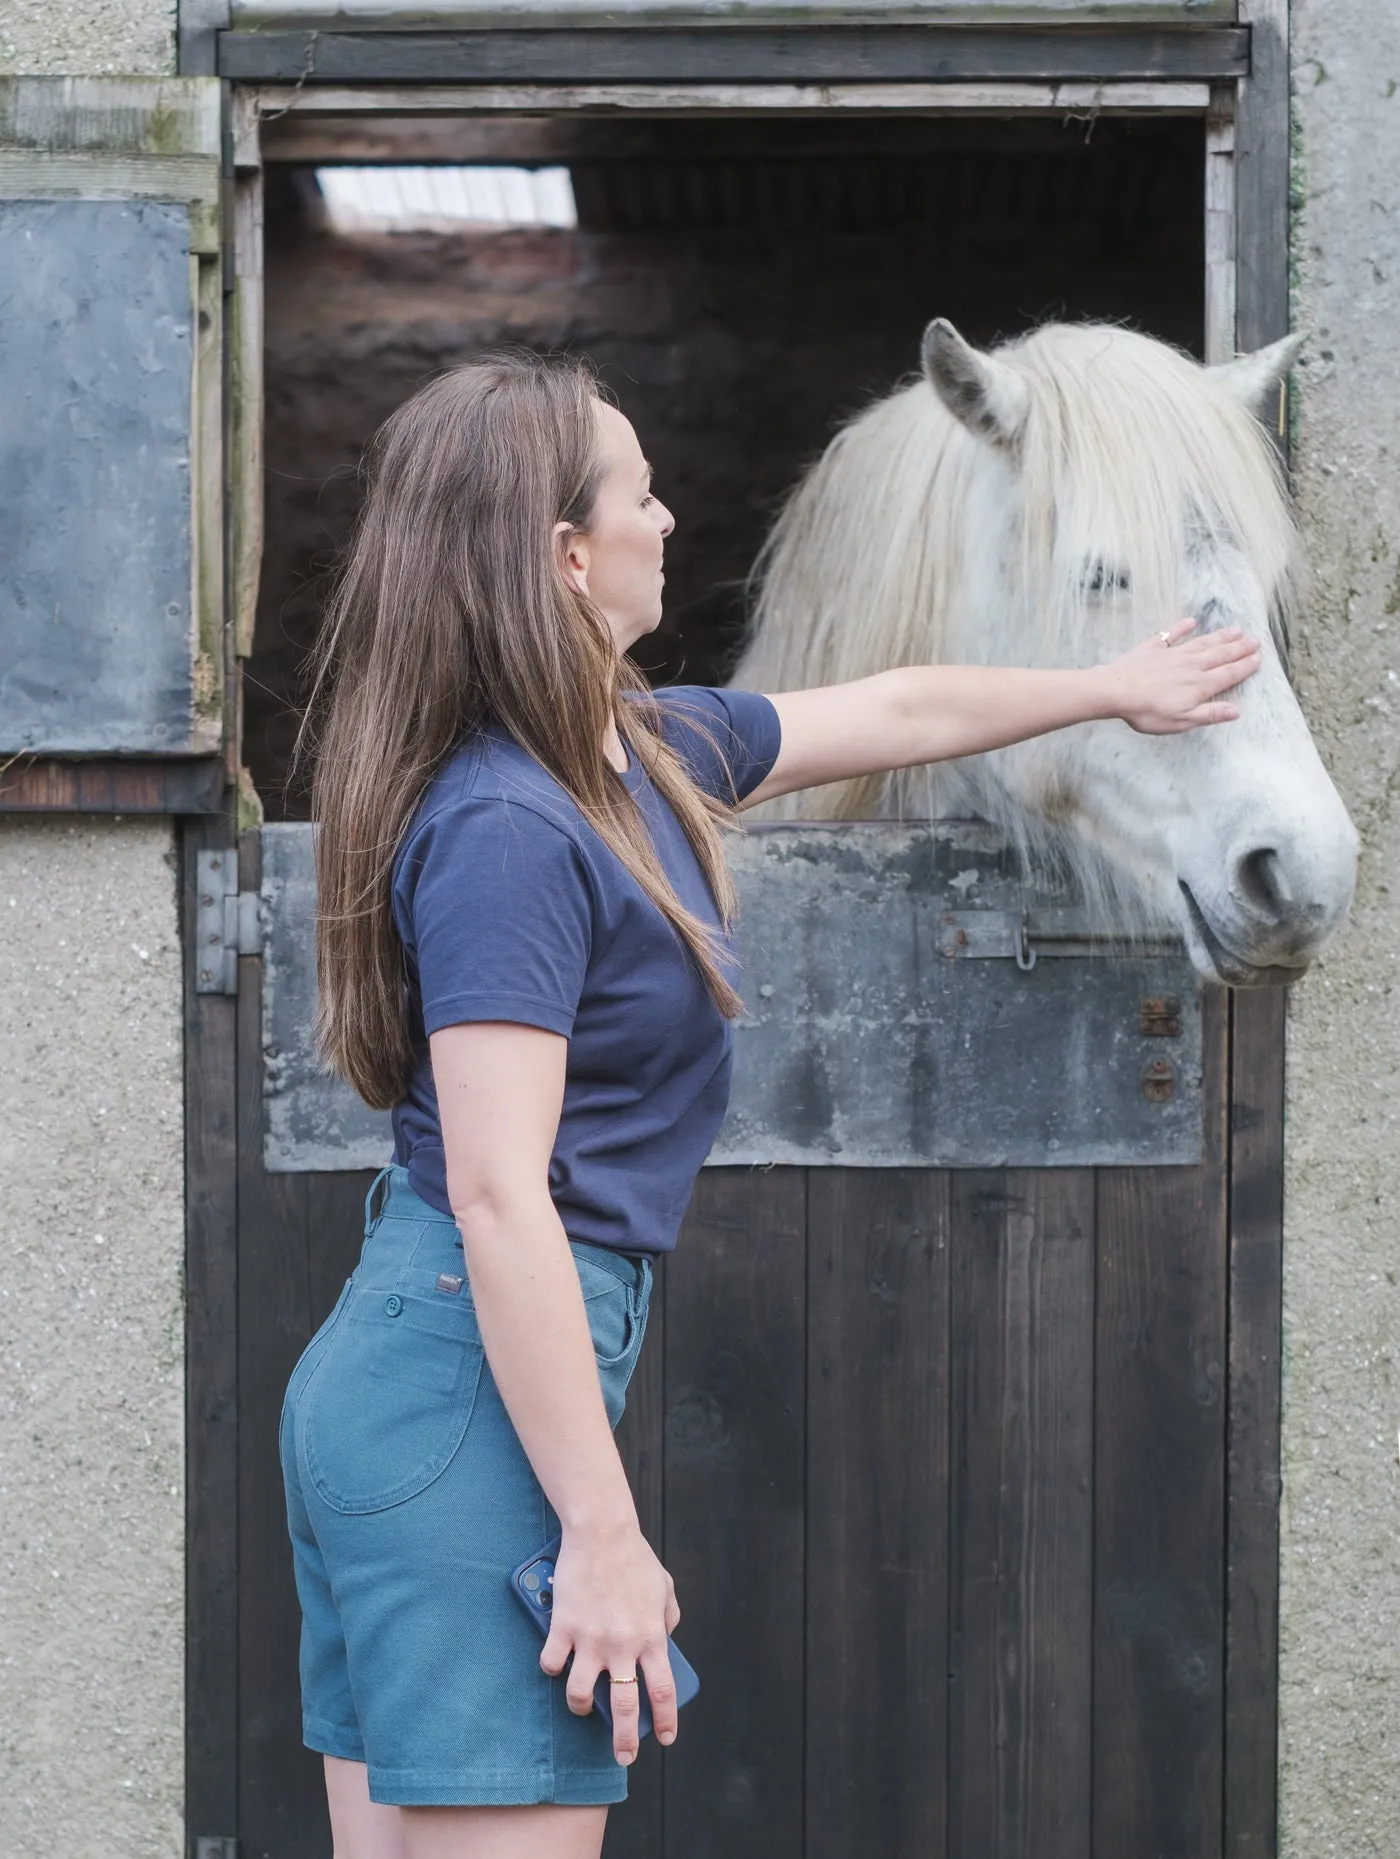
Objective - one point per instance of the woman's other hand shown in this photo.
(1172, 682)
(613, 1606)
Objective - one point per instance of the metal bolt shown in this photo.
(1158, 1081)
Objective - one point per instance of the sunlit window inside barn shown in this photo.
(439, 199)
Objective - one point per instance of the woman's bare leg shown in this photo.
(365, 1829)
(360, 1828)
(503, 1832)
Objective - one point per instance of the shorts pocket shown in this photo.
(389, 1402)
(617, 1320)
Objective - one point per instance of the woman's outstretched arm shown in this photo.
(933, 713)
(500, 1087)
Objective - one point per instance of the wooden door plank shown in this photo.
(281, 1799)
(1020, 1751)
(1263, 164)
(211, 1382)
(734, 1495)
(335, 1231)
(877, 1512)
(1254, 1421)
(635, 1828)
(1161, 1361)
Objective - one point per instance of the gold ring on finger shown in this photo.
(624, 1681)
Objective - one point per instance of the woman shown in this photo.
(523, 951)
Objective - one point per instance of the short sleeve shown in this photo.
(729, 739)
(495, 907)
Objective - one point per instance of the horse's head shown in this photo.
(1108, 485)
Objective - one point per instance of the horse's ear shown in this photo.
(988, 397)
(1254, 379)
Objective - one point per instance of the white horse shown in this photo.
(1052, 503)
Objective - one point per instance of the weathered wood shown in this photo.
(197, 42)
(211, 1383)
(43, 784)
(281, 1806)
(445, 15)
(1019, 1744)
(1220, 226)
(209, 681)
(635, 1828)
(388, 124)
(38, 176)
(1262, 163)
(112, 116)
(1159, 1464)
(806, 53)
(1257, 1084)
(245, 412)
(877, 1513)
(735, 1445)
(1253, 1425)
(335, 1231)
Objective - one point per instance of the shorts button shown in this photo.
(392, 1306)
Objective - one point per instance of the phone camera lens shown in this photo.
(545, 1598)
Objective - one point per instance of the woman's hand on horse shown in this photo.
(613, 1606)
(1172, 682)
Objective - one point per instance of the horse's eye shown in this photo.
(1101, 578)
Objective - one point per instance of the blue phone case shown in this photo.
(533, 1583)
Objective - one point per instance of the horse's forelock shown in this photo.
(1131, 447)
(873, 561)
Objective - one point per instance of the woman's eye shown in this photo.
(648, 501)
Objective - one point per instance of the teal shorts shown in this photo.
(410, 1500)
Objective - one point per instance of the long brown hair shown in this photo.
(452, 606)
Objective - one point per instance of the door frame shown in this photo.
(1245, 119)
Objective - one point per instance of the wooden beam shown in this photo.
(211, 1382)
(734, 54)
(1258, 1026)
(1220, 226)
(541, 123)
(107, 784)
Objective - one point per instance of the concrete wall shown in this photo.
(91, 1342)
(1341, 1539)
(91, 1257)
(87, 38)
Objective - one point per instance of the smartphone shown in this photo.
(533, 1583)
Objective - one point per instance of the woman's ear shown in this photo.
(575, 557)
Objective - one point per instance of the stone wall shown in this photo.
(91, 1342)
(1341, 1565)
(87, 38)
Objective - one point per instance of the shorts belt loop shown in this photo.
(377, 1196)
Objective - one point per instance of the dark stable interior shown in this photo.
(743, 285)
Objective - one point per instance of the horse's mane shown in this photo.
(874, 560)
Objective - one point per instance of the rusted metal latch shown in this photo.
(989, 935)
(227, 923)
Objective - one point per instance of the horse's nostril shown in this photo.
(1264, 882)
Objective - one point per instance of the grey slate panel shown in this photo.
(887, 1024)
(96, 628)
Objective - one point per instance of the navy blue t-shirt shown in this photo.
(511, 907)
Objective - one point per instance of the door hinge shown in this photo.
(215, 1845)
(228, 924)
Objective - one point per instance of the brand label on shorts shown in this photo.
(446, 1282)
